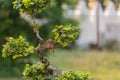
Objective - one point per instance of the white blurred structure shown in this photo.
(27, 17)
(109, 23)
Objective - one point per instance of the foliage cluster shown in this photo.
(64, 35)
(73, 75)
(37, 72)
(29, 5)
(11, 24)
(16, 48)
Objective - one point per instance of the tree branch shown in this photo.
(40, 38)
(36, 28)
(41, 48)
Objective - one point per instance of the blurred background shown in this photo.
(97, 49)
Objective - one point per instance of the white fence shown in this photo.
(109, 23)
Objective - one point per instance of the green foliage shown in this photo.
(73, 75)
(12, 25)
(16, 48)
(37, 72)
(54, 16)
(64, 35)
(29, 5)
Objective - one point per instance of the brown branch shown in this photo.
(40, 38)
(36, 28)
(40, 52)
(41, 48)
